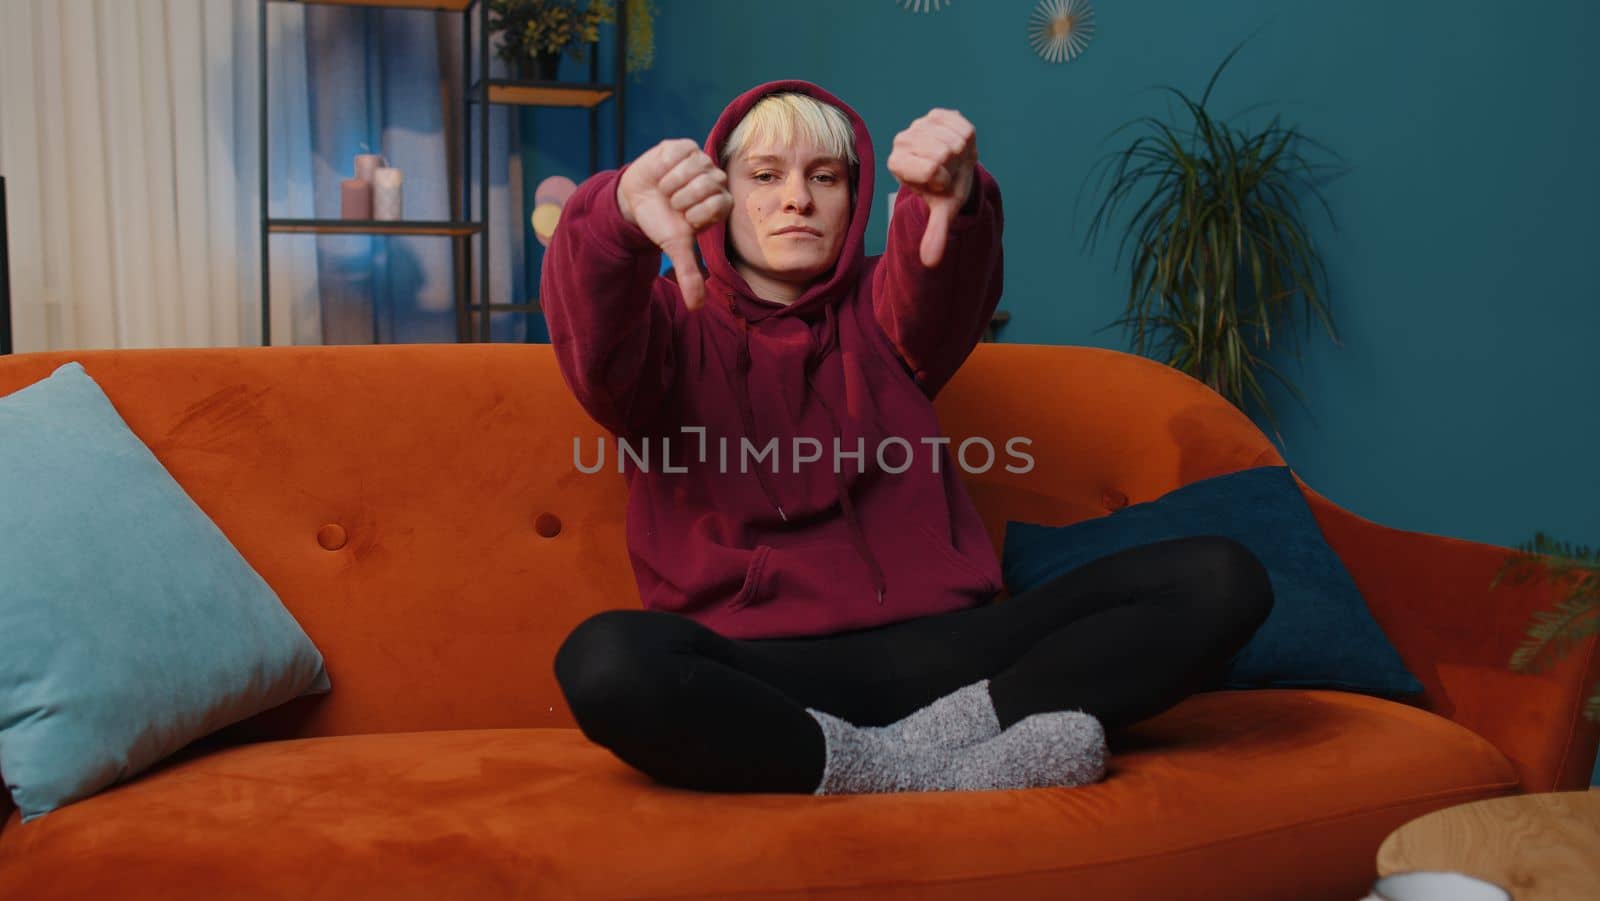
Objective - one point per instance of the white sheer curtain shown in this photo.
(128, 138)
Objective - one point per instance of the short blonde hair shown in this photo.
(782, 118)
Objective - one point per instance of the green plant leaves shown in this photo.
(1575, 615)
(534, 27)
(1220, 251)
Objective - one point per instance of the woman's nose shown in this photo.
(797, 195)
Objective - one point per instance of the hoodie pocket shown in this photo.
(946, 549)
(752, 577)
(804, 575)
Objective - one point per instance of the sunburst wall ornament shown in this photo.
(923, 6)
(1060, 29)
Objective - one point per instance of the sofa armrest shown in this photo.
(1431, 596)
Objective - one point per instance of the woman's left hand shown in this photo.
(935, 157)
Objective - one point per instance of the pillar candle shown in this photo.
(355, 199)
(366, 164)
(386, 194)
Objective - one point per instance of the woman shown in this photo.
(819, 620)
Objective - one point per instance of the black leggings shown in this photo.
(1123, 638)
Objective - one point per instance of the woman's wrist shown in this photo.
(622, 206)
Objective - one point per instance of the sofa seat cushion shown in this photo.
(1226, 791)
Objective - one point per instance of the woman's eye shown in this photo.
(827, 178)
(764, 177)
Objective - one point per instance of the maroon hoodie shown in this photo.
(714, 533)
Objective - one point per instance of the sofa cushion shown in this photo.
(129, 625)
(1319, 634)
(1254, 794)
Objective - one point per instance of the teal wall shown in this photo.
(1463, 400)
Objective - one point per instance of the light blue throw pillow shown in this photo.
(1319, 633)
(129, 625)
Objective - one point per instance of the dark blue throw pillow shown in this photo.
(1319, 634)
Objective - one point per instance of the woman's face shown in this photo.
(791, 209)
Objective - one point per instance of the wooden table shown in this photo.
(1540, 847)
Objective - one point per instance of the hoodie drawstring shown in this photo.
(842, 487)
(829, 342)
(746, 411)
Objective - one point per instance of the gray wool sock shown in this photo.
(1062, 748)
(963, 717)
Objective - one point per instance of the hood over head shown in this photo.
(713, 242)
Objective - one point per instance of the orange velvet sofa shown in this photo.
(418, 510)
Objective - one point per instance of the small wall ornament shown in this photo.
(548, 200)
(1058, 30)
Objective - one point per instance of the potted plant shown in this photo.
(535, 33)
(1575, 615)
(1221, 249)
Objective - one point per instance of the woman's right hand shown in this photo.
(672, 192)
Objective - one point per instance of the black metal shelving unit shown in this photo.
(5, 274)
(480, 92)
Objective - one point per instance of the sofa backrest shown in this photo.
(1111, 429)
(418, 510)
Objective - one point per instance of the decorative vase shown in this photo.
(542, 67)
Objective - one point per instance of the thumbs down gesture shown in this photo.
(935, 157)
(672, 192)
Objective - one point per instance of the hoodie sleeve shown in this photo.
(934, 317)
(609, 311)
